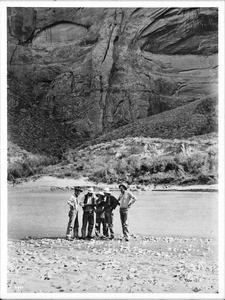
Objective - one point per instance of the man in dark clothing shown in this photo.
(110, 204)
(100, 214)
(88, 203)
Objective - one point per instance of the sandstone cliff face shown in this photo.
(76, 73)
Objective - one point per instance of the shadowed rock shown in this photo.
(76, 73)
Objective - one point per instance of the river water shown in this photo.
(155, 213)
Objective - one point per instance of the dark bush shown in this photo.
(15, 171)
(68, 174)
(29, 166)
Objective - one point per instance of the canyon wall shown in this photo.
(77, 73)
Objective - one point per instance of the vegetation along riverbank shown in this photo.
(138, 160)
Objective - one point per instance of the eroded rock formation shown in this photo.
(75, 73)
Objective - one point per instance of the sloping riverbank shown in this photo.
(140, 161)
(49, 183)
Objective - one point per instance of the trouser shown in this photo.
(109, 223)
(73, 224)
(88, 218)
(100, 219)
(124, 221)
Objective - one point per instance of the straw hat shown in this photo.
(78, 189)
(106, 190)
(90, 190)
(100, 194)
(124, 185)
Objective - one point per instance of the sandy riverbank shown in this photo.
(143, 265)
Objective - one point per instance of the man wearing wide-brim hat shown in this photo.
(73, 224)
(88, 203)
(126, 199)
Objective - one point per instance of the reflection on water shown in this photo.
(155, 213)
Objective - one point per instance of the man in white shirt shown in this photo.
(126, 199)
(73, 224)
(88, 202)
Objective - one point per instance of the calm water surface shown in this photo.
(155, 213)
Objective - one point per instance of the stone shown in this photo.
(196, 289)
(75, 74)
(130, 276)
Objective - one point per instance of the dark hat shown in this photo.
(124, 184)
(78, 189)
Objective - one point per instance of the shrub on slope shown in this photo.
(22, 163)
(146, 160)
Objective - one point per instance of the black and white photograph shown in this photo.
(112, 116)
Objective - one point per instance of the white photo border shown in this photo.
(3, 108)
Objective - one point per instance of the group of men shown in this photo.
(103, 205)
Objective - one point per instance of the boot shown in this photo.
(97, 233)
(69, 234)
(89, 236)
(90, 229)
(69, 238)
(76, 235)
(83, 232)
